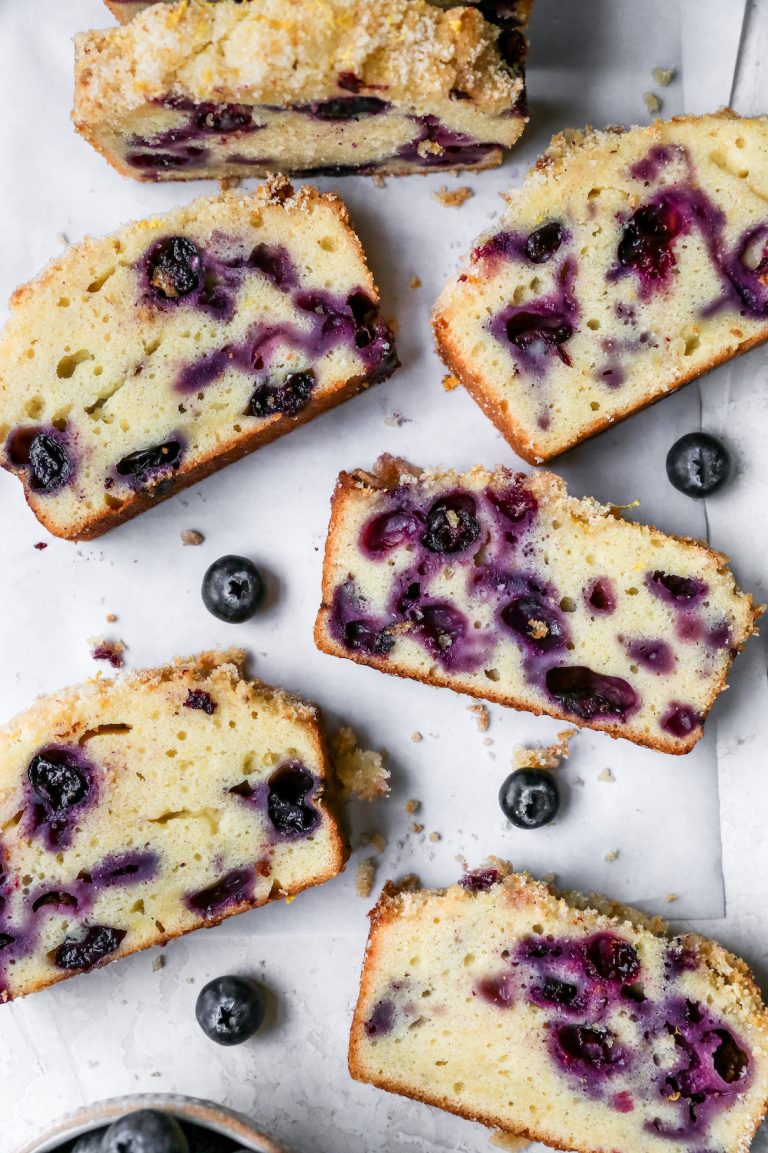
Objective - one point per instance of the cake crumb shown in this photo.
(509, 1141)
(488, 741)
(378, 181)
(417, 738)
(365, 876)
(606, 775)
(412, 806)
(408, 883)
(435, 837)
(62, 239)
(376, 840)
(192, 536)
(450, 382)
(41, 544)
(652, 102)
(158, 963)
(663, 76)
(229, 182)
(454, 198)
(482, 717)
(416, 828)
(611, 855)
(545, 756)
(110, 618)
(415, 282)
(107, 650)
(671, 898)
(361, 771)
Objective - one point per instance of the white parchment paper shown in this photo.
(129, 1027)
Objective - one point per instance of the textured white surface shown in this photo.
(128, 1027)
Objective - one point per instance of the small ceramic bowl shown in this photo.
(203, 1113)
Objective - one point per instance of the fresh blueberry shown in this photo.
(233, 589)
(544, 242)
(287, 398)
(287, 804)
(698, 464)
(229, 1010)
(175, 268)
(451, 524)
(529, 798)
(49, 465)
(97, 944)
(89, 1142)
(145, 1132)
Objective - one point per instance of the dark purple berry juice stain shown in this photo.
(480, 880)
(655, 655)
(381, 1021)
(355, 627)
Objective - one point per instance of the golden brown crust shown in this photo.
(325, 641)
(730, 968)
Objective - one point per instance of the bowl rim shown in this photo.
(218, 1118)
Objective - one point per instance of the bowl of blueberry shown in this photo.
(153, 1123)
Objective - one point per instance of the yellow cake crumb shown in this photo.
(663, 76)
(361, 771)
(652, 102)
(450, 382)
(365, 876)
(545, 756)
(412, 806)
(482, 717)
(192, 537)
(453, 198)
(606, 775)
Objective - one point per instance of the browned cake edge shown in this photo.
(203, 664)
(387, 909)
(511, 429)
(325, 641)
(277, 190)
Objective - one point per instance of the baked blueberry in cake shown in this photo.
(629, 263)
(135, 810)
(137, 364)
(502, 586)
(569, 1020)
(193, 89)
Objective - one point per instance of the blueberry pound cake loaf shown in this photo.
(629, 263)
(137, 364)
(135, 810)
(502, 586)
(559, 1018)
(308, 87)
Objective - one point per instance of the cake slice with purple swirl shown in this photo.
(139, 363)
(502, 586)
(558, 1018)
(192, 90)
(627, 264)
(135, 810)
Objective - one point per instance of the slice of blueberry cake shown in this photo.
(138, 809)
(193, 89)
(564, 1019)
(137, 364)
(502, 586)
(629, 263)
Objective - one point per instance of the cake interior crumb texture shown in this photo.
(628, 263)
(138, 809)
(569, 1020)
(138, 363)
(505, 587)
(191, 89)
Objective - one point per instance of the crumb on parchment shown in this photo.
(412, 806)
(545, 756)
(663, 76)
(416, 738)
(611, 855)
(361, 771)
(450, 382)
(435, 836)
(365, 876)
(481, 715)
(415, 282)
(606, 775)
(671, 898)
(192, 536)
(107, 650)
(453, 198)
(508, 1141)
(652, 102)
(376, 840)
